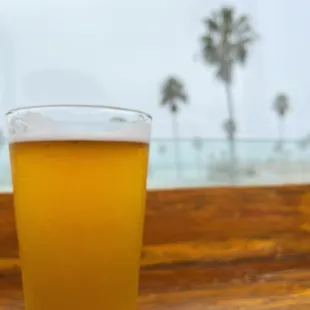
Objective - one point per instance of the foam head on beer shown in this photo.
(79, 193)
(33, 126)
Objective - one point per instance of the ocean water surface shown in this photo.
(189, 163)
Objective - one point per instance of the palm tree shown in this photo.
(229, 128)
(172, 95)
(226, 43)
(281, 107)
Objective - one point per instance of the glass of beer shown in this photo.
(79, 178)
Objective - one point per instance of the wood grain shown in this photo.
(8, 239)
(210, 247)
(287, 290)
(226, 213)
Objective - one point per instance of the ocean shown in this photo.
(206, 162)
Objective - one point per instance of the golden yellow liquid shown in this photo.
(79, 208)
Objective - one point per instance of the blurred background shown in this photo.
(225, 82)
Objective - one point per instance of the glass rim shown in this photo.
(91, 106)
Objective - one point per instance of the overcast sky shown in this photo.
(121, 50)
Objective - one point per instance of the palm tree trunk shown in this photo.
(281, 161)
(231, 138)
(281, 129)
(177, 154)
(199, 164)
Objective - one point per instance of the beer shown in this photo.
(79, 208)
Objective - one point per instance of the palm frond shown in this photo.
(183, 97)
(241, 53)
(229, 127)
(242, 25)
(281, 104)
(172, 93)
(212, 24)
(228, 14)
(210, 51)
(227, 18)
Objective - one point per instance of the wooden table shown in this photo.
(216, 249)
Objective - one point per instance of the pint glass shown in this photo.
(79, 179)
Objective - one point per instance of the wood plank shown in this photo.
(207, 235)
(278, 291)
(206, 214)
(225, 213)
(191, 277)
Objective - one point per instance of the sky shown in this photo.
(118, 52)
